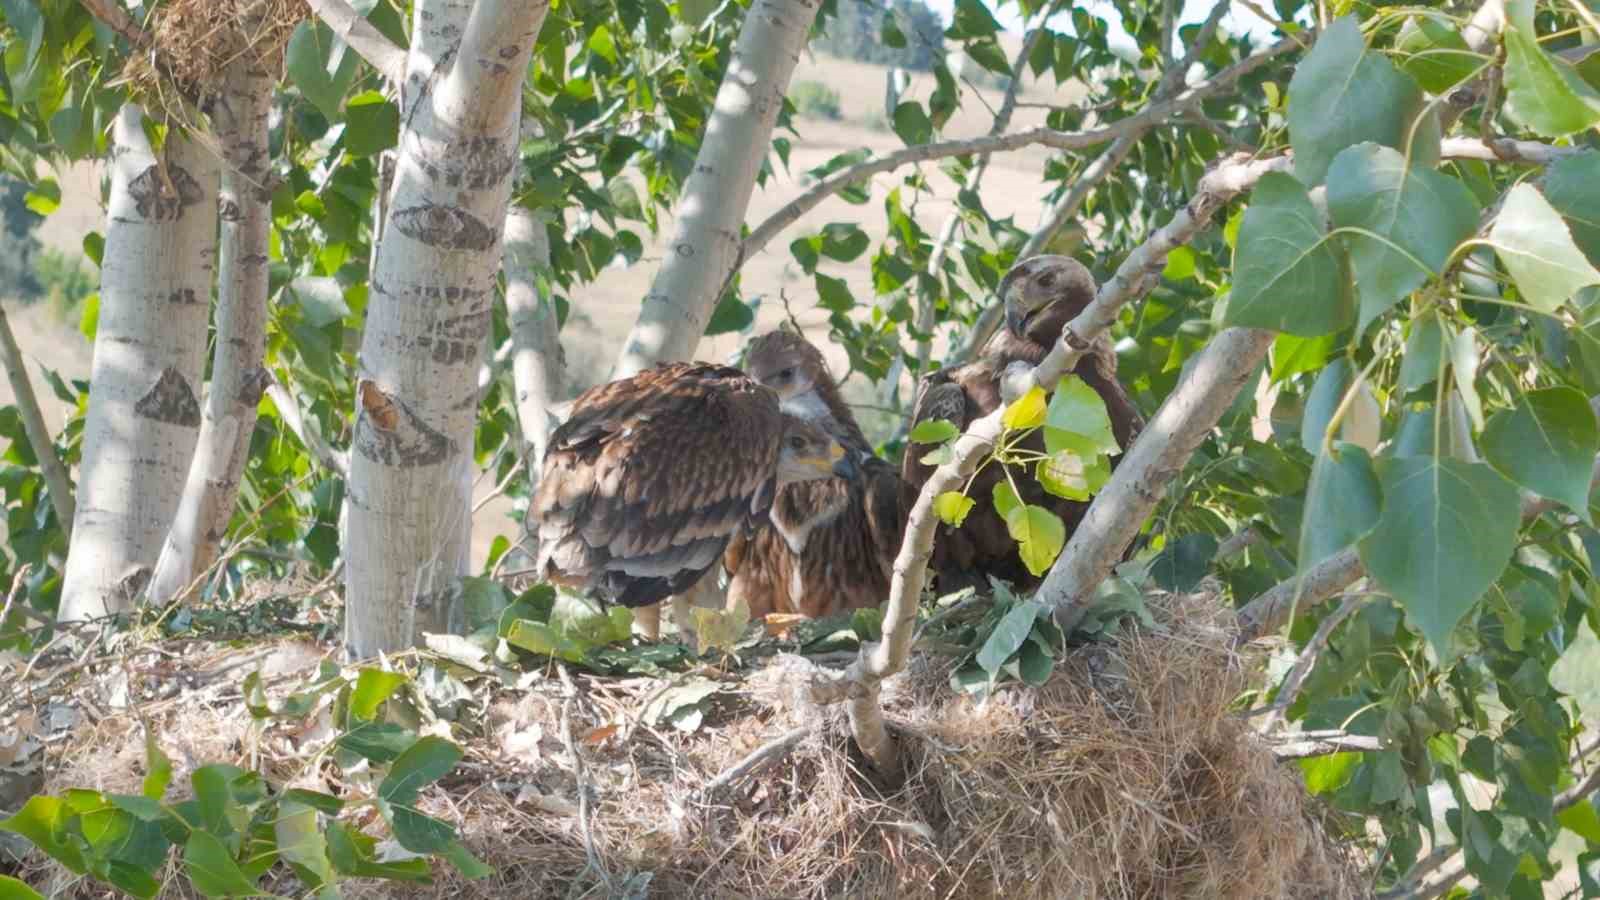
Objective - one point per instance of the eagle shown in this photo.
(827, 546)
(1041, 295)
(650, 476)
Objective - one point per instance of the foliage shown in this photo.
(20, 246)
(906, 34)
(815, 99)
(64, 282)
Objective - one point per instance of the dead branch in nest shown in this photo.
(760, 758)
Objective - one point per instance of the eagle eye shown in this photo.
(786, 374)
(797, 442)
(1047, 279)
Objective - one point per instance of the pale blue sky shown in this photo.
(1010, 17)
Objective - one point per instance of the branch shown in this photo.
(117, 19)
(1506, 150)
(1271, 610)
(1060, 140)
(56, 479)
(1481, 33)
(333, 460)
(758, 759)
(1325, 745)
(362, 37)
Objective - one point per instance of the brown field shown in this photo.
(605, 310)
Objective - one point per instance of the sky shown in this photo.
(1010, 18)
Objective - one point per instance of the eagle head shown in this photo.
(808, 453)
(1042, 294)
(786, 362)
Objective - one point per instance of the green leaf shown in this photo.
(1445, 534)
(212, 869)
(1327, 392)
(1582, 820)
(1008, 636)
(1027, 411)
(1005, 499)
(833, 294)
(1342, 95)
(1329, 773)
(89, 319)
(1293, 355)
(1069, 475)
(731, 315)
(1542, 92)
(352, 853)
(321, 300)
(1040, 535)
(1183, 562)
(1342, 503)
(309, 56)
(43, 821)
(1547, 444)
(1076, 409)
(1418, 216)
(1287, 275)
(1423, 362)
(971, 19)
(912, 124)
(158, 768)
(372, 124)
(301, 844)
(988, 54)
(373, 686)
(417, 831)
(1537, 249)
(1435, 54)
(934, 431)
(45, 198)
(1572, 186)
(468, 865)
(379, 742)
(952, 507)
(428, 760)
(12, 889)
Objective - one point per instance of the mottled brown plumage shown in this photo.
(1042, 294)
(828, 546)
(650, 476)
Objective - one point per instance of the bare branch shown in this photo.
(1481, 32)
(56, 479)
(1308, 658)
(333, 460)
(1060, 140)
(1506, 150)
(362, 37)
(758, 759)
(1322, 746)
(117, 19)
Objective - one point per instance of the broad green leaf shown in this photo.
(212, 869)
(158, 768)
(971, 19)
(1572, 186)
(43, 821)
(1077, 409)
(1537, 249)
(1005, 499)
(1292, 354)
(833, 294)
(468, 865)
(320, 66)
(1008, 636)
(988, 54)
(1287, 275)
(1426, 345)
(1071, 476)
(1542, 92)
(1445, 534)
(1582, 820)
(1342, 503)
(353, 853)
(372, 124)
(731, 315)
(12, 889)
(1327, 392)
(1027, 411)
(952, 507)
(379, 742)
(1547, 444)
(1342, 95)
(321, 299)
(1040, 535)
(912, 125)
(1464, 361)
(1434, 53)
(417, 831)
(373, 686)
(1183, 562)
(1417, 215)
(300, 842)
(44, 198)
(428, 760)
(934, 431)
(1325, 774)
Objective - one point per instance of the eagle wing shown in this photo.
(650, 476)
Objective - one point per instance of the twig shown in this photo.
(362, 37)
(1481, 33)
(1322, 746)
(335, 461)
(1308, 657)
(758, 759)
(1060, 140)
(56, 480)
(500, 488)
(1237, 543)
(1507, 150)
(590, 853)
(16, 591)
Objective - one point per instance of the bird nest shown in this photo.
(194, 42)
(1125, 776)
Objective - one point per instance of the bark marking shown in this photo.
(161, 198)
(170, 400)
(445, 227)
(389, 434)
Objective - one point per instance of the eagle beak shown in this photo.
(844, 464)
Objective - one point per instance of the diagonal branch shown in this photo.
(362, 37)
(44, 449)
(333, 460)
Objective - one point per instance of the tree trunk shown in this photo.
(149, 353)
(537, 363)
(239, 121)
(431, 290)
(56, 480)
(705, 243)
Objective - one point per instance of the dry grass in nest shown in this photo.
(196, 41)
(1124, 777)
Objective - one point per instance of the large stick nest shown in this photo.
(1126, 776)
(194, 42)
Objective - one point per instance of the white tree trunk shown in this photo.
(431, 291)
(537, 364)
(706, 238)
(239, 122)
(149, 353)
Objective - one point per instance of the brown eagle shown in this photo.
(828, 546)
(650, 476)
(1041, 295)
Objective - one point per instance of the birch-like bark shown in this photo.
(705, 244)
(537, 364)
(1117, 513)
(56, 480)
(149, 353)
(239, 123)
(431, 292)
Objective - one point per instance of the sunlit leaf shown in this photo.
(1027, 411)
(1542, 92)
(934, 431)
(1537, 249)
(1040, 535)
(952, 507)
